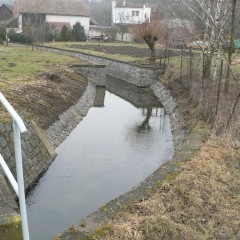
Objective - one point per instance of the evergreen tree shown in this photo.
(2, 33)
(64, 34)
(78, 33)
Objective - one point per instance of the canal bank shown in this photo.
(95, 225)
(172, 107)
(124, 137)
(35, 164)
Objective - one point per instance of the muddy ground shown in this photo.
(124, 50)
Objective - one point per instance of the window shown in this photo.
(135, 13)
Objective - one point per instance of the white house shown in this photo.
(125, 13)
(52, 11)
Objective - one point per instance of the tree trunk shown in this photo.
(230, 50)
(207, 62)
(150, 40)
(152, 51)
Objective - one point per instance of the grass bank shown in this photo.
(40, 85)
(200, 202)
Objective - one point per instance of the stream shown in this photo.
(123, 139)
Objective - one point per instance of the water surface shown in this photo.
(116, 146)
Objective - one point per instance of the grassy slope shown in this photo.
(202, 202)
(19, 65)
(32, 93)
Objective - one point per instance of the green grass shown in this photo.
(115, 44)
(19, 65)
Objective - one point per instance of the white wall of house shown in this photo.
(61, 18)
(130, 15)
(71, 19)
(20, 21)
(127, 37)
(97, 31)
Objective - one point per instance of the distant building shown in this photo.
(125, 15)
(52, 11)
(7, 18)
(130, 14)
(6, 12)
(97, 31)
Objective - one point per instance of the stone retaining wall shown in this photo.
(36, 151)
(60, 129)
(96, 74)
(139, 75)
(171, 107)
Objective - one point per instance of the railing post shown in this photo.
(21, 189)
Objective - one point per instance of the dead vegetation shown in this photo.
(44, 98)
(202, 202)
(39, 85)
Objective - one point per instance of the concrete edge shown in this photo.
(41, 134)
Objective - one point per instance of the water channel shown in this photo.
(124, 138)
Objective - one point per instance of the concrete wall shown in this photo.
(139, 75)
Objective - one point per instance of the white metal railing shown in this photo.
(18, 186)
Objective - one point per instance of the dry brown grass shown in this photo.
(202, 202)
(211, 103)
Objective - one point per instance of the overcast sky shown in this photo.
(6, 1)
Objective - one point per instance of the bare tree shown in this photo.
(150, 32)
(213, 14)
(34, 28)
(230, 50)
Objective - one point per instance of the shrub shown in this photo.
(78, 33)
(64, 34)
(17, 37)
(2, 34)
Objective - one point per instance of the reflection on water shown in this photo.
(116, 146)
